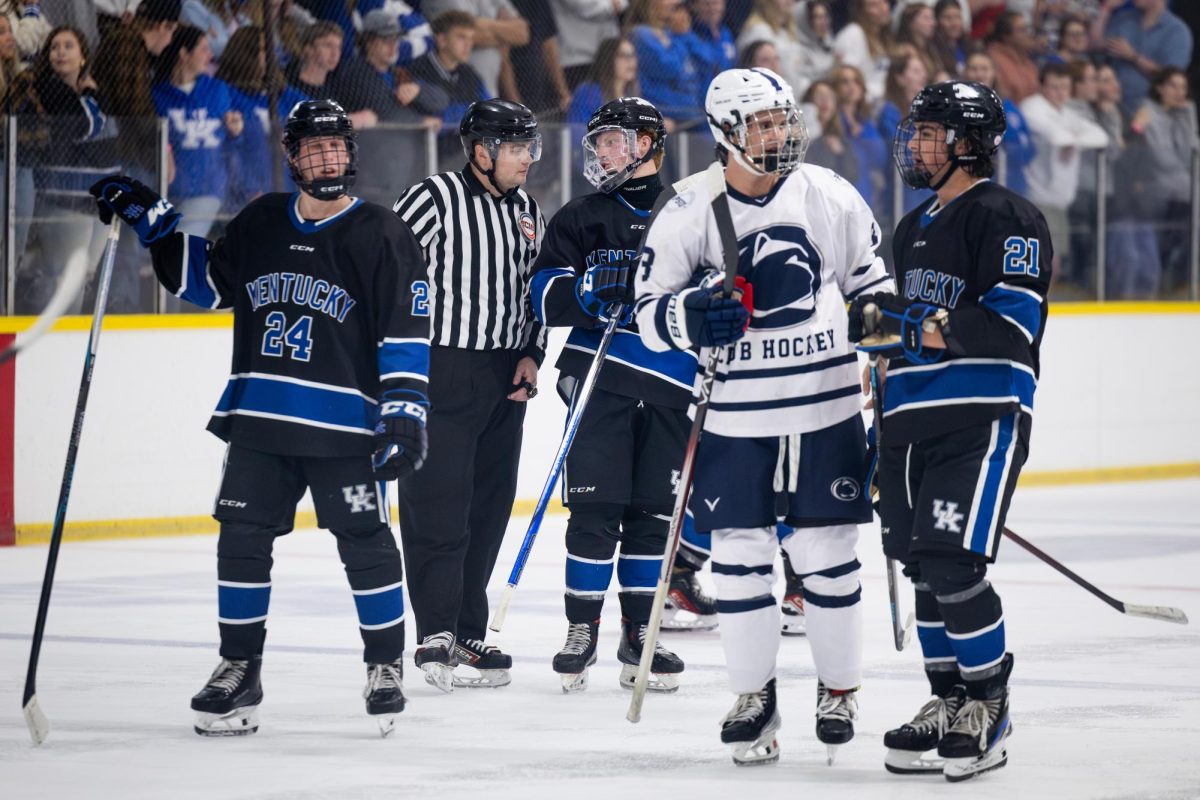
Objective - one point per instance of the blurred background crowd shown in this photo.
(187, 95)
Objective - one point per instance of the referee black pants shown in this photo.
(454, 510)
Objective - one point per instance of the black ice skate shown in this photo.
(793, 612)
(750, 726)
(837, 709)
(908, 744)
(228, 703)
(577, 655)
(385, 693)
(492, 665)
(664, 668)
(435, 656)
(687, 607)
(977, 739)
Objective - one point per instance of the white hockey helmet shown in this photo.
(754, 117)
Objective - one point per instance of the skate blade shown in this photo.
(439, 676)
(961, 769)
(831, 754)
(752, 754)
(239, 722)
(387, 724)
(486, 679)
(911, 762)
(574, 682)
(791, 628)
(678, 619)
(662, 682)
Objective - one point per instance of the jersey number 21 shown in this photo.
(1021, 256)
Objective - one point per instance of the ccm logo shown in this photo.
(231, 503)
(581, 489)
(303, 248)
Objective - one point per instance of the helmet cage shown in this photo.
(745, 139)
(314, 162)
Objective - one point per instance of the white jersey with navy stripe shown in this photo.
(806, 248)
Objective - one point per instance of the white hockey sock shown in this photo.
(743, 571)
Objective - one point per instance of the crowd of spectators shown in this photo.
(1085, 83)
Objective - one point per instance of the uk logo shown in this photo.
(784, 267)
(359, 499)
(946, 517)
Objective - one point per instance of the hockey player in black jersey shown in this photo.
(962, 336)
(623, 465)
(327, 392)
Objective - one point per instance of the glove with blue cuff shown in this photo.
(890, 325)
(604, 286)
(401, 442)
(151, 217)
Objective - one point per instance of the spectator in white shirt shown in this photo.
(865, 43)
(1059, 134)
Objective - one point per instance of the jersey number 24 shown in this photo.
(297, 338)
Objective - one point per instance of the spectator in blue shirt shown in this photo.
(713, 47)
(1141, 40)
(659, 30)
(906, 76)
(1017, 145)
(873, 154)
(614, 74)
(200, 118)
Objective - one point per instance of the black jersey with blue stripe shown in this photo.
(986, 258)
(328, 318)
(587, 231)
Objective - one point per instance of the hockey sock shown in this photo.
(941, 665)
(743, 570)
(376, 575)
(832, 600)
(592, 534)
(973, 615)
(243, 587)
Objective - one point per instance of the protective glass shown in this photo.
(514, 147)
(773, 140)
(609, 156)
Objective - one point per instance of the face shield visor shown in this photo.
(610, 156)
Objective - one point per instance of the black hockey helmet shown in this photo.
(491, 122)
(630, 115)
(969, 111)
(309, 119)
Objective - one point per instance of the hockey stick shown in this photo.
(720, 204)
(900, 633)
(1164, 613)
(585, 392)
(74, 276)
(39, 725)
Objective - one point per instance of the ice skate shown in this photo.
(793, 613)
(579, 653)
(977, 739)
(491, 665)
(750, 726)
(228, 703)
(385, 693)
(664, 669)
(435, 656)
(837, 709)
(909, 744)
(687, 607)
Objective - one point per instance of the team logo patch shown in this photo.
(845, 489)
(359, 499)
(528, 226)
(785, 269)
(947, 517)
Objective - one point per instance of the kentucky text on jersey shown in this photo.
(302, 290)
(934, 287)
(606, 255)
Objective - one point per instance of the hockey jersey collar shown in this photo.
(312, 226)
(757, 201)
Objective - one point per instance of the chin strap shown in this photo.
(490, 174)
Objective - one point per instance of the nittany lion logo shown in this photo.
(785, 270)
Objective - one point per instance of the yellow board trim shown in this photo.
(223, 319)
(99, 530)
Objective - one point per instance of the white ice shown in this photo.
(1104, 706)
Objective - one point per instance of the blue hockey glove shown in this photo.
(891, 325)
(604, 286)
(708, 318)
(401, 442)
(151, 217)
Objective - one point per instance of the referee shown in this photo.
(480, 233)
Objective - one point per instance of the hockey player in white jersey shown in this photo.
(783, 421)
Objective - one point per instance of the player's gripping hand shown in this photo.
(604, 286)
(890, 325)
(401, 442)
(151, 217)
(709, 319)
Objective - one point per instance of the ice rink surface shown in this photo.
(1104, 706)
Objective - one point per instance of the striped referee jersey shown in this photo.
(479, 250)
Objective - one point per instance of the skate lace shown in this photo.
(933, 716)
(974, 718)
(843, 705)
(228, 675)
(383, 676)
(748, 707)
(444, 640)
(579, 636)
(479, 646)
(658, 646)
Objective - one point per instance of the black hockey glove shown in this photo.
(604, 286)
(400, 440)
(139, 206)
(890, 325)
(704, 317)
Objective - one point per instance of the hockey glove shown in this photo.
(401, 442)
(704, 317)
(604, 288)
(151, 217)
(891, 325)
